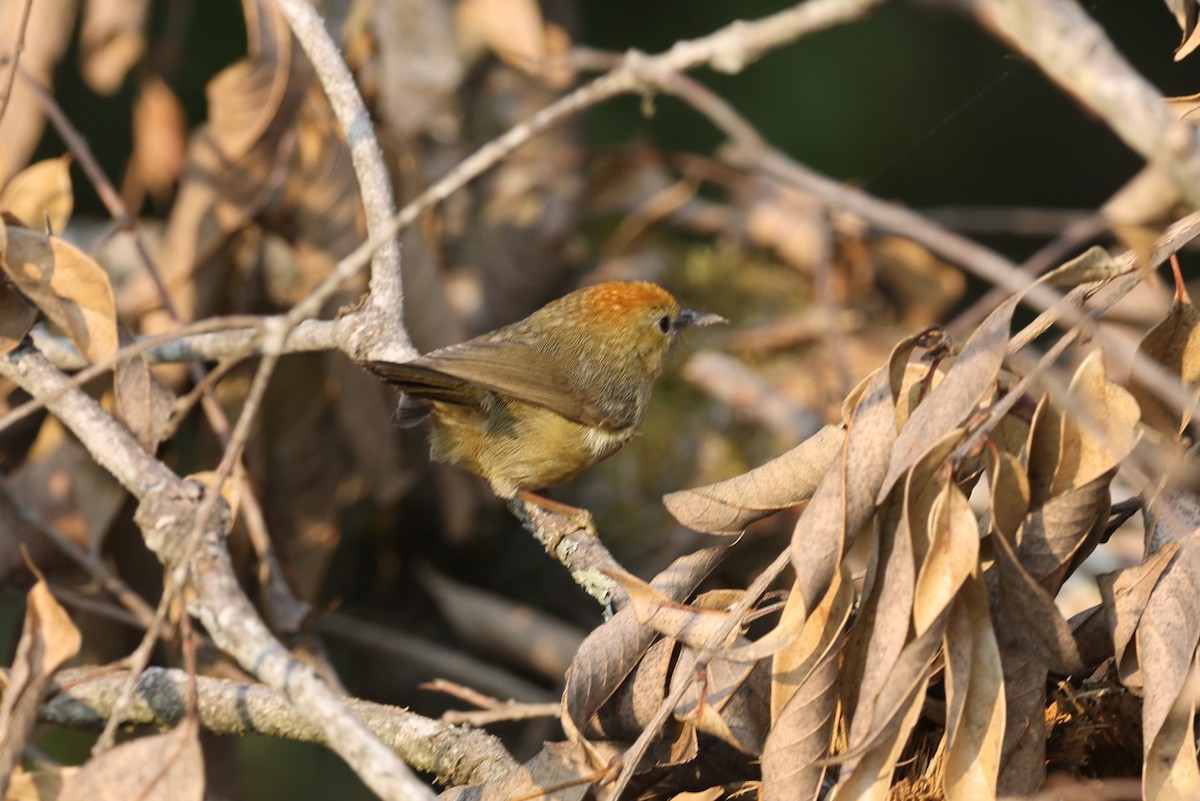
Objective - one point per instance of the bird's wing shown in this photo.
(511, 369)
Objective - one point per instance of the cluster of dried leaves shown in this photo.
(971, 482)
(930, 674)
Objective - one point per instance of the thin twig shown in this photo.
(285, 610)
(729, 49)
(503, 713)
(242, 322)
(104, 187)
(749, 150)
(109, 580)
(136, 663)
(18, 47)
(633, 755)
(1049, 255)
(168, 507)
(386, 295)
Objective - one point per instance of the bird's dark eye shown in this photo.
(664, 324)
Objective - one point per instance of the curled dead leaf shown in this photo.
(69, 288)
(41, 195)
(161, 767)
(143, 403)
(16, 317)
(48, 640)
(727, 507)
(1175, 344)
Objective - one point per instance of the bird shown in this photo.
(537, 402)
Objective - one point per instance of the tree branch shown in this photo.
(385, 300)
(454, 754)
(167, 514)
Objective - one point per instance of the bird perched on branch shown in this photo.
(537, 402)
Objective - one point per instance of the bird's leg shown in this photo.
(554, 507)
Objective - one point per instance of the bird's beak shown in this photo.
(692, 319)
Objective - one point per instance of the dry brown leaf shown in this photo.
(975, 702)
(1094, 264)
(639, 696)
(1042, 450)
(845, 499)
(159, 141)
(905, 687)
(48, 640)
(558, 765)
(1063, 531)
(43, 784)
(51, 24)
(792, 224)
(111, 42)
(317, 210)
(885, 615)
(233, 165)
(966, 384)
(727, 507)
(1072, 457)
(915, 383)
(816, 636)
(63, 484)
(1126, 593)
(1169, 629)
(1026, 607)
(869, 777)
(731, 701)
(1010, 494)
(41, 195)
(161, 767)
(804, 699)
(953, 555)
(922, 286)
(143, 403)
(512, 29)
(16, 316)
(1185, 12)
(711, 794)
(688, 624)
(1175, 344)
(70, 289)
(609, 654)
(1170, 771)
(1023, 755)
(1099, 428)
(419, 62)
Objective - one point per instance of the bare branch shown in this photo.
(168, 512)
(386, 298)
(455, 754)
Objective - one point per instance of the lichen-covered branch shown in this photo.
(454, 754)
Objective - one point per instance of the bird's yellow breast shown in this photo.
(517, 446)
